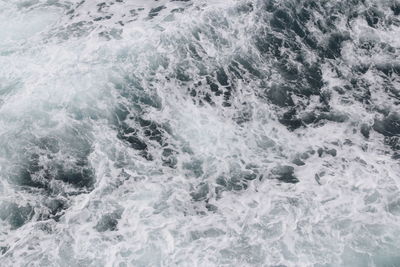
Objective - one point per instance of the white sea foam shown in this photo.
(64, 77)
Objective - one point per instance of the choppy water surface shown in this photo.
(199, 133)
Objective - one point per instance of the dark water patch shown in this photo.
(25, 174)
(130, 135)
(318, 177)
(210, 233)
(182, 75)
(244, 115)
(200, 192)
(211, 207)
(313, 75)
(109, 221)
(213, 86)
(395, 7)
(101, 6)
(304, 81)
(152, 130)
(268, 43)
(227, 96)
(234, 183)
(388, 126)
(394, 208)
(325, 97)
(288, 70)
(335, 42)
(333, 116)
(4, 249)
(75, 30)
(249, 66)
(383, 257)
(394, 93)
(326, 151)
(304, 15)
(102, 18)
(299, 30)
(367, 43)
(251, 172)
(236, 71)
(237, 179)
(155, 11)
(360, 90)
(331, 15)
(318, 117)
(365, 130)
(307, 154)
(207, 98)
(15, 214)
(389, 69)
(222, 77)
(193, 52)
(311, 41)
(281, 19)
(270, 5)
(284, 173)
(373, 16)
(49, 143)
(290, 120)
(320, 152)
(383, 109)
(309, 118)
(141, 133)
(194, 167)
(177, 10)
(111, 34)
(120, 114)
(169, 157)
(361, 69)
(298, 161)
(134, 92)
(55, 158)
(55, 207)
(340, 90)
(245, 8)
(79, 174)
(193, 92)
(393, 142)
(280, 95)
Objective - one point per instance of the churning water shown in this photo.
(199, 133)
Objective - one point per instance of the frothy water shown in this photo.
(199, 133)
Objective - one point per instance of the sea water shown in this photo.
(199, 133)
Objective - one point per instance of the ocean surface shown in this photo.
(200, 133)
